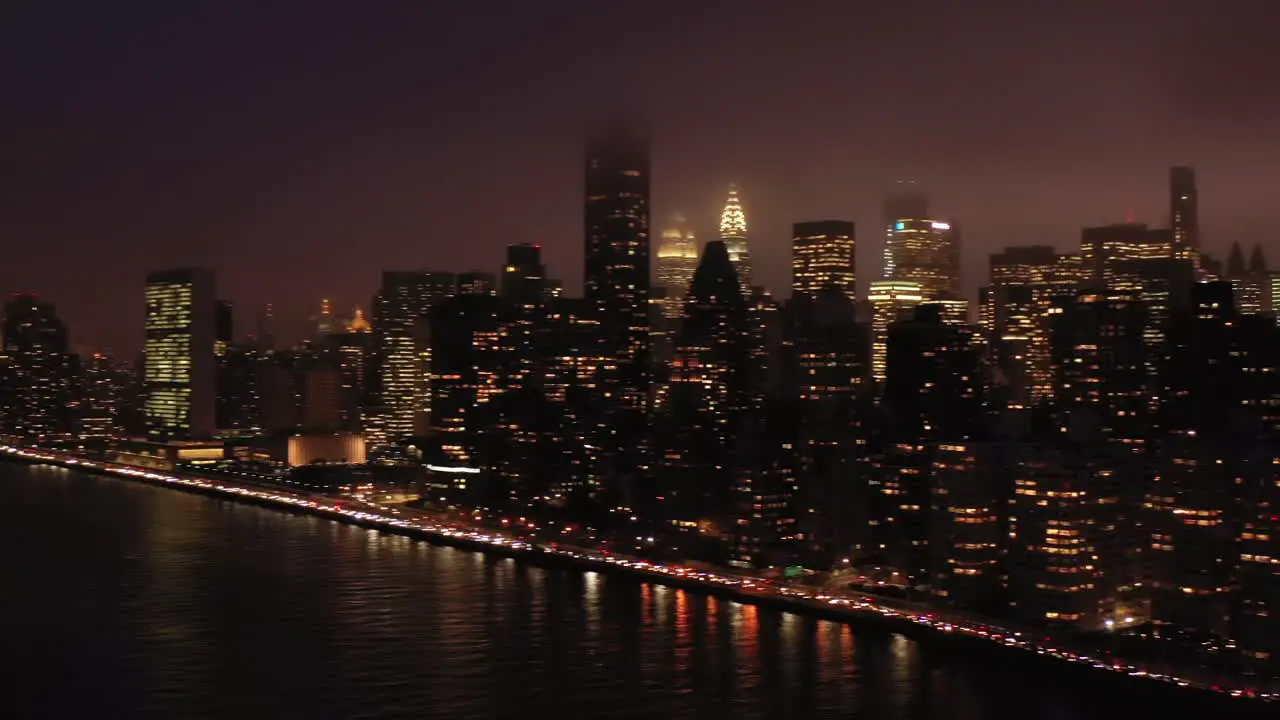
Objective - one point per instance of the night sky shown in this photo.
(300, 148)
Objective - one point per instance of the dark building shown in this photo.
(616, 277)
(40, 371)
(1184, 210)
(524, 277)
(709, 389)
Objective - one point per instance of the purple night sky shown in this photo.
(300, 148)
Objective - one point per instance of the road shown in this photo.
(406, 520)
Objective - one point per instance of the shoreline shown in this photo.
(809, 603)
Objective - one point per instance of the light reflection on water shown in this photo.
(149, 602)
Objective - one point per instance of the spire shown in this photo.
(733, 222)
(1235, 261)
(358, 323)
(1257, 263)
(733, 232)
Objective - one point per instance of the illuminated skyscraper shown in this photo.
(923, 251)
(1024, 281)
(181, 367)
(40, 381)
(616, 277)
(733, 233)
(823, 257)
(401, 315)
(891, 301)
(677, 261)
(1101, 248)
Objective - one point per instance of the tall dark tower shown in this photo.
(616, 278)
(1184, 210)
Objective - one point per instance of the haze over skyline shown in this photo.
(301, 149)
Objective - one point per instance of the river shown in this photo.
(125, 600)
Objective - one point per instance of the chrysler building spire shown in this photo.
(733, 232)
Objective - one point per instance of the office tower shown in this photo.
(905, 200)
(966, 526)
(1102, 248)
(827, 355)
(100, 398)
(733, 233)
(265, 329)
(181, 368)
(954, 310)
(240, 388)
(401, 314)
(1098, 355)
(322, 396)
(40, 376)
(677, 260)
(932, 397)
(1207, 436)
(933, 382)
(524, 277)
(616, 277)
(922, 251)
(1023, 282)
(477, 282)
(709, 390)
(822, 257)
(1249, 283)
(223, 331)
(766, 531)
(467, 356)
(1054, 573)
(891, 301)
(1184, 212)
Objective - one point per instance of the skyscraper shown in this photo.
(891, 301)
(524, 277)
(733, 233)
(677, 261)
(181, 368)
(36, 342)
(403, 351)
(923, 251)
(616, 277)
(1184, 211)
(823, 257)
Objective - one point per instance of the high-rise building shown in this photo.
(1024, 281)
(181, 365)
(402, 309)
(524, 277)
(823, 257)
(733, 233)
(1184, 212)
(1101, 248)
(477, 282)
(677, 261)
(922, 251)
(891, 301)
(616, 277)
(39, 391)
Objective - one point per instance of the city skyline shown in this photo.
(263, 170)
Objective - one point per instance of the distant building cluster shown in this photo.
(1093, 445)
